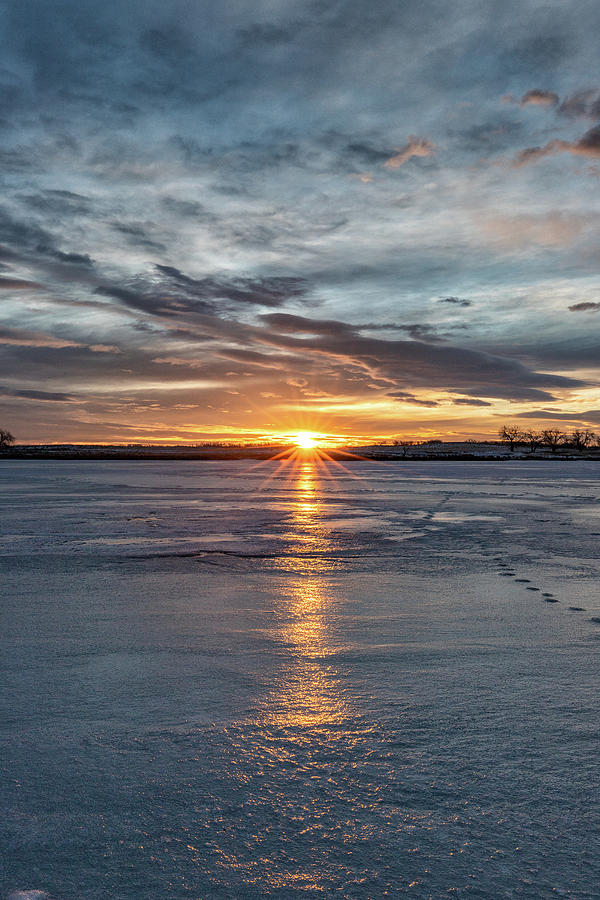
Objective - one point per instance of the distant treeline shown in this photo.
(553, 438)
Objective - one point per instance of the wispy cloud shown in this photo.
(415, 146)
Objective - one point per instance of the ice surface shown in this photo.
(240, 680)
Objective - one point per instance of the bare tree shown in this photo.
(532, 438)
(6, 439)
(582, 438)
(510, 434)
(405, 445)
(553, 438)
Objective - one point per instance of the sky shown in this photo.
(234, 221)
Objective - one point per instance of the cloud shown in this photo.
(405, 397)
(538, 97)
(150, 301)
(585, 306)
(367, 153)
(103, 348)
(414, 363)
(585, 417)
(588, 146)
(50, 396)
(75, 259)
(415, 146)
(175, 294)
(27, 241)
(190, 209)
(19, 284)
(420, 332)
(532, 154)
(58, 202)
(585, 104)
(470, 401)
(259, 291)
(457, 301)
(553, 229)
(21, 338)
(137, 235)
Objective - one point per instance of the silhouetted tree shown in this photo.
(582, 438)
(405, 445)
(6, 439)
(533, 439)
(553, 438)
(510, 434)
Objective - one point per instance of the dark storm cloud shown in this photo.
(191, 209)
(291, 324)
(587, 417)
(25, 240)
(299, 324)
(585, 104)
(175, 294)
(367, 154)
(415, 363)
(23, 234)
(585, 306)
(265, 291)
(57, 202)
(50, 396)
(589, 144)
(567, 352)
(154, 302)
(138, 235)
(75, 259)
(418, 332)
(456, 301)
(78, 364)
(405, 397)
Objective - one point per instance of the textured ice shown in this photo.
(240, 680)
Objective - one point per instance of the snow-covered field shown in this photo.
(234, 679)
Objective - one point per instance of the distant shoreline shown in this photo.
(448, 452)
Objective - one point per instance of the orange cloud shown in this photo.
(588, 146)
(538, 97)
(415, 146)
(19, 338)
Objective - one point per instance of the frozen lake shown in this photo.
(239, 680)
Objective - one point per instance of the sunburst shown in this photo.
(306, 440)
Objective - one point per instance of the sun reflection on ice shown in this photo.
(308, 693)
(300, 752)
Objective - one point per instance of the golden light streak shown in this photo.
(309, 693)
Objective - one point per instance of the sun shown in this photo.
(305, 440)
